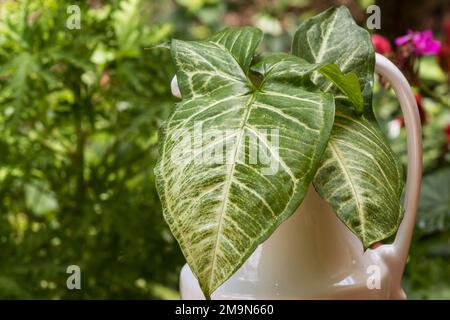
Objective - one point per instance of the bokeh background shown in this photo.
(79, 113)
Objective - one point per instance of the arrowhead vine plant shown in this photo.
(307, 116)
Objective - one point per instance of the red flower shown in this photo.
(381, 44)
(444, 57)
(105, 80)
(446, 27)
(444, 52)
(447, 133)
(400, 121)
(422, 112)
(376, 245)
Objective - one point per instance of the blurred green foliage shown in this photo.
(79, 118)
(79, 113)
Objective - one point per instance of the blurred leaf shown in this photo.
(430, 70)
(434, 210)
(39, 199)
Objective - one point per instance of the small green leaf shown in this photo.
(348, 84)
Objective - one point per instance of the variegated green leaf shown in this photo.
(297, 68)
(220, 210)
(359, 175)
(232, 39)
(334, 37)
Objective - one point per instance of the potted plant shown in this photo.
(257, 138)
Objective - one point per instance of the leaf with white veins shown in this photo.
(334, 37)
(298, 68)
(359, 175)
(219, 212)
(361, 179)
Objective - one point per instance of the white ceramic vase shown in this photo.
(313, 255)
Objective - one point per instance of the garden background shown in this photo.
(79, 114)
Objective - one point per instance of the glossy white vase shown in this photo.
(313, 255)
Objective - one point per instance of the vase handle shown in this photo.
(400, 247)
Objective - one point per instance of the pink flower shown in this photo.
(381, 44)
(422, 41)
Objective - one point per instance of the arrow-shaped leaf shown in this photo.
(219, 210)
(361, 179)
(359, 175)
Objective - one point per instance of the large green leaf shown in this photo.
(220, 211)
(359, 175)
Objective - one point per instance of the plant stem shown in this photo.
(427, 91)
(79, 152)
